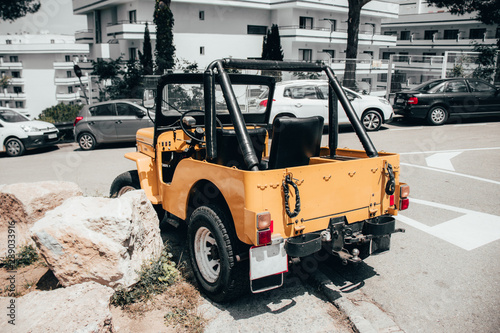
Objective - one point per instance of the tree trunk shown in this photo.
(352, 43)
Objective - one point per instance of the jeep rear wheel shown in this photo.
(14, 147)
(211, 248)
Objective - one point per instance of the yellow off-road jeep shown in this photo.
(251, 200)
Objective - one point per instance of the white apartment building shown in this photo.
(310, 30)
(426, 34)
(40, 68)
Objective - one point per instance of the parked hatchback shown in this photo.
(18, 133)
(304, 98)
(437, 100)
(108, 122)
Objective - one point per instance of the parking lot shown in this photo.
(441, 275)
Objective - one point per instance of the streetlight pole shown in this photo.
(78, 73)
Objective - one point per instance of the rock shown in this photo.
(21, 205)
(80, 308)
(99, 239)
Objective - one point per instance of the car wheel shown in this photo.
(125, 182)
(211, 249)
(87, 141)
(14, 147)
(437, 115)
(371, 120)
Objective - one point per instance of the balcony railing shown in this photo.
(129, 29)
(64, 65)
(68, 96)
(84, 36)
(12, 96)
(130, 22)
(11, 65)
(70, 80)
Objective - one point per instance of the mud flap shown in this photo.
(267, 265)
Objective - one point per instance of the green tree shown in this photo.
(11, 10)
(60, 113)
(146, 58)
(165, 49)
(130, 85)
(108, 73)
(353, 20)
(271, 47)
(487, 11)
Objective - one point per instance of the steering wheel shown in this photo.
(189, 133)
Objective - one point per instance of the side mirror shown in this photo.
(148, 99)
(140, 113)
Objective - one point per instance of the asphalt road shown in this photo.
(442, 275)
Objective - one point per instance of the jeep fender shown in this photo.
(148, 177)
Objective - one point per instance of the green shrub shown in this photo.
(60, 113)
(25, 256)
(154, 278)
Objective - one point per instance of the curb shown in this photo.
(365, 316)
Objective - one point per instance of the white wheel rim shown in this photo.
(86, 141)
(437, 115)
(206, 255)
(371, 121)
(13, 147)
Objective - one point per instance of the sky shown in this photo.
(54, 16)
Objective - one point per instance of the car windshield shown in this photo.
(10, 116)
(426, 86)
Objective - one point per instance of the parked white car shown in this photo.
(304, 98)
(18, 133)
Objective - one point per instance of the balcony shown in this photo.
(64, 65)
(7, 96)
(449, 44)
(11, 65)
(69, 81)
(67, 96)
(84, 36)
(17, 81)
(324, 35)
(130, 30)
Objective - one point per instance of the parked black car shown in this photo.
(437, 100)
(111, 121)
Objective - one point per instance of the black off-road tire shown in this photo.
(438, 115)
(14, 147)
(212, 255)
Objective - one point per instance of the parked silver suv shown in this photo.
(111, 121)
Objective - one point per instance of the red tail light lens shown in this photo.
(263, 237)
(263, 103)
(391, 200)
(77, 119)
(412, 100)
(404, 204)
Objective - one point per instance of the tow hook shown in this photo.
(346, 257)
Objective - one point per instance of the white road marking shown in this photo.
(469, 231)
(407, 128)
(464, 125)
(448, 151)
(452, 173)
(442, 160)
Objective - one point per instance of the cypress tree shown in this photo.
(146, 58)
(165, 49)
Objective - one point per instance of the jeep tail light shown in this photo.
(404, 204)
(263, 220)
(77, 119)
(391, 200)
(413, 100)
(263, 103)
(404, 191)
(264, 237)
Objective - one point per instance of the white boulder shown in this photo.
(99, 239)
(21, 205)
(83, 308)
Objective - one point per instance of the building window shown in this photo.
(67, 58)
(132, 53)
(97, 26)
(305, 22)
(305, 55)
(202, 50)
(429, 53)
(19, 105)
(405, 35)
(1, 103)
(450, 34)
(201, 15)
(8, 41)
(132, 16)
(69, 74)
(331, 53)
(16, 75)
(370, 53)
(70, 90)
(256, 29)
(477, 33)
(387, 55)
(13, 59)
(403, 56)
(18, 90)
(429, 34)
(52, 41)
